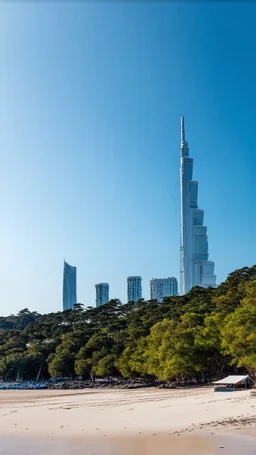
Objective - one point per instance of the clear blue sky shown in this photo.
(91, 97)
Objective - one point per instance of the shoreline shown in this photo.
(161, 444)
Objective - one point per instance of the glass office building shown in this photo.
(102, 293)
(163, 287)
(134, 288)
(69, 286)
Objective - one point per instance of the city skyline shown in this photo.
(195, 267)
(90, 141)
(159, 288)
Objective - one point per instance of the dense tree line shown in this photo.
(199, 336)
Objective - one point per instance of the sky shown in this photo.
(91, 98)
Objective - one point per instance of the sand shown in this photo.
(134, 422)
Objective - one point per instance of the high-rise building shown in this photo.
(102, 293)
(134, 288)
(195, 268)
(69, 286)
(163, 287)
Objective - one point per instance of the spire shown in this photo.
(182, 127)
(184, 145)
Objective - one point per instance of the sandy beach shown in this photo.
(144, 421)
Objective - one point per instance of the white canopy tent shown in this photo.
(230, 383)
(236, 379)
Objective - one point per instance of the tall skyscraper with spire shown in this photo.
(195, 268)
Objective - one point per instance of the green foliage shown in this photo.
(133, 360)
(171, 351)
(61, 364)
(105, 366)
(199, 336)
(239, 332)
(20, 321)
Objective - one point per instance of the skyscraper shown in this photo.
(134, 289)
(195, 268)
(69, 286)
(163, 287)
(102, 293)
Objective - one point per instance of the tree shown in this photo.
(173, 351)
(61, 365)
(105, 366)
(208, 343)
(239, 332)
(83, 366)
(39, 353)
(133, 360)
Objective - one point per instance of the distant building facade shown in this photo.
(163, 287)
(69, 286)
(102, 293)
(134, 288)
